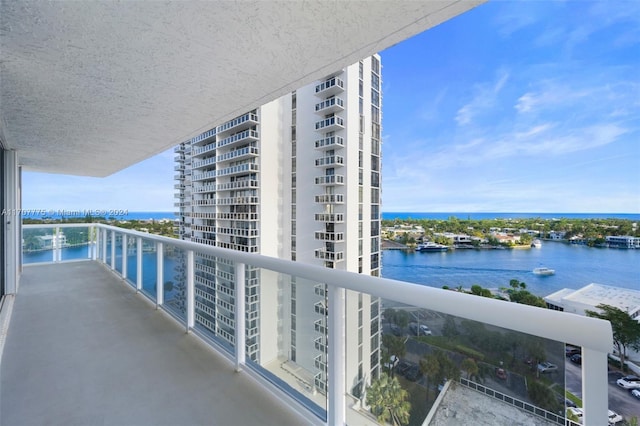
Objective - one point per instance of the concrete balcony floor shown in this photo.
(84, 349)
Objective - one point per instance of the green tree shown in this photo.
(470, 366)
(626, 330)
(402, 318)
(393, 345)
(449, 329)
(388, 401)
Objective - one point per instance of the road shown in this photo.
(620, 400)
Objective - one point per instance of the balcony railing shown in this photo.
(147, 262)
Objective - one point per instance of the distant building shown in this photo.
(48, 242)
(623, 241)
(557, 235)
(588, 297)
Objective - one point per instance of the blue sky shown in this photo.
(511, 107)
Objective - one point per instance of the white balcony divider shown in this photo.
(125, 249)
(593, 335)
(240, 316)
(159, 274)
(138, 264)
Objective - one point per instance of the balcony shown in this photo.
(329, 199)
(329, 217)
(111, 319)
(84, 348)
(331, 142)
(334, 256)
(330, 161)
(333, 104)
(330, 124)
(240, 123)
(331, 86)
(336, 237)
(330, 180)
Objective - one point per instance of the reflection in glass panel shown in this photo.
(132, 260)
(74, 243)
(175, 280)
(37, 245)
(149, 268)
(215, 299)
(513, 373)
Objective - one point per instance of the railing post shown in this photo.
(190, 292)
(92, 240)
(336, 400)
(159, 275)
(595, 388)
(138, 264)
(55, 244)
(240, 316)
(125, 254)
(104, 246)
(113, 250)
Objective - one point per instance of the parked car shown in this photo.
(402, 367)
(396, 330)
(570, 351)
(547, 367)
(501, 374)
(413, 373)
(577, 412)
(424, 330)
(614, 418)
(636, 393)
(393, 362)
(577, 359)
(629, 382)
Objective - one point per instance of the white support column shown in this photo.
(55, 249)
(104, 246)
(91, 246)
(191, 299)
(138, 264)
(10, 190)
(159, 275)
(241, 344)
(595, 396)
(113, 250)
(125, 254)
(336, 399)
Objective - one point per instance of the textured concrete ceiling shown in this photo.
(89, 88)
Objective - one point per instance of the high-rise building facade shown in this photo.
(297, 178)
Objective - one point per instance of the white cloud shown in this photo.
(484, 99)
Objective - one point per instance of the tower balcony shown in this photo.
(245, 121)
(329, 217)
(330, 161)
(330, 180)
(330, 86)
(333, 104)
(336, 237)
(330, 124)
(199, 150)
(329, 199)
(324, 254)
(331, 142)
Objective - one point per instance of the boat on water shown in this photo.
(544, 271)
(536, 243)
(431, 246)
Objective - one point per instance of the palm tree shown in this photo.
(430, 368)
(388, 401)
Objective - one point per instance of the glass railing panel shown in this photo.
(37, 245)
(118, 243)
(131, 256)
(149, 269)
(420, 349)
(108, 245)
(175, 280)
(75, 243)
(286, 335)
(215, 299)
